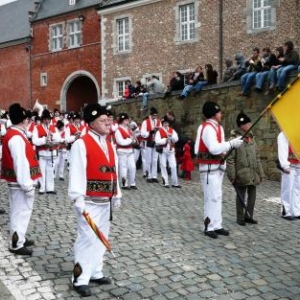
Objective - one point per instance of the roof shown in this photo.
(51, 8)
(14, 22)
(109, 3)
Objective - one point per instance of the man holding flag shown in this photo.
(93, 186)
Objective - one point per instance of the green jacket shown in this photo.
(243, 164)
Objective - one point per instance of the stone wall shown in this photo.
(188, 113)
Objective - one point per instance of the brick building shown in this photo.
(65, 54)
(15, 85)
(147, 37)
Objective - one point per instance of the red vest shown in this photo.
(62, 145)
(101, 173)
(150, 127)
(292, 158)
(31, 127)
(204, 157)
(43, 133)
(125, 135)
(163, 134)
(7, 171)
(74, 129)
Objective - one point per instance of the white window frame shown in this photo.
(76, 34)
(262, 14)
(191, 22)
(72, 2)
(118, 93)
(124, 35)
(44, 79)
(54, 37)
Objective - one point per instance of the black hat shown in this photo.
(46, 114)
(242, 119)
(210, 108)
(17, 114)
(92, 111)
(165, 119)
(29, 113)
(109, 113)
(76, 116)
(59, 124)
(122, 117)
(153, 111)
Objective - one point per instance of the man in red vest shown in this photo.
(290, 179)
(93, 186)
(20, 168)
(210, 147)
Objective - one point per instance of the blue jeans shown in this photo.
(272, 78)
(260, 79)
(247, 80)
(189, 88)
(145, 99)
(282, 73)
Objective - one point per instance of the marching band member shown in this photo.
(290, 178)
(2, 134)
(148, 130)
(62, 152)
(46, 139)
(210, 147)
(112, 129)
(93, 186)
(20, 169)
(165, 138)
(125, 141)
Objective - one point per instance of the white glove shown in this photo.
(116, 202)
(236, 143)
(80, 205)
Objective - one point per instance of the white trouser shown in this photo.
(88, 249)
(151, 162)
(290, 192)
(127, 167)
(21, 205)
(212, 189)
(60, 166)
(170, 157)
(47, 170)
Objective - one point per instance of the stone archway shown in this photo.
(80, 88)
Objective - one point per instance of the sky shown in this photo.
(2, 2)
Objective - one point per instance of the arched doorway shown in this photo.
(79, 89)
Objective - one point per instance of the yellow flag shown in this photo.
(285, 109)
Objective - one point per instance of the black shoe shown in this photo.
(125, 188)
(2, 211)
(83, 290)
(250, 221)
(21, 251)
(166, 186)
(41, 193)
(241, 222)
(222, 231)
(150, 180)
(181, 97)
(258, 90)
(103, 280)
(133, 187)
(211, 234)
(155, 180)
(145, 175)
(61, 179)
(28, 243)
(51, 192)
(289, 218)
(176, 186)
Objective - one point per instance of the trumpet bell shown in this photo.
(38, 107)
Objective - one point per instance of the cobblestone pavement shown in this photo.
(161, 252)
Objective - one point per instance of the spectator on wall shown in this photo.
(154, 86)
(176, 83)
(229, 71)
(240, 68)
(129, 90)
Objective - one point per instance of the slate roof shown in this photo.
(14, 22)
(109, 3)
(50, 8)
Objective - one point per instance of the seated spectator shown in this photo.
(289, 62)
(176, 83)
(253, 64)
(154, 86)
(229, 71)
(240, 68)
(195, 81)
(268, 61)
(272, 77)
(139, 89)
(129, 90)
(211, 74)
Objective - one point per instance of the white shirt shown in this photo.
(164, 141)
(283, 151)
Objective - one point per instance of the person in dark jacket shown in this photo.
(244, 170)
(211, 74)
(240, 68)
(176, 83)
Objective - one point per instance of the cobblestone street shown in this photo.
(161, 251)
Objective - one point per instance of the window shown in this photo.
(74, 34)
(123, 34)
(72, 2)
(120, 86)
(44, 79)
(261, 14)
(187, 22)
(56, 37)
